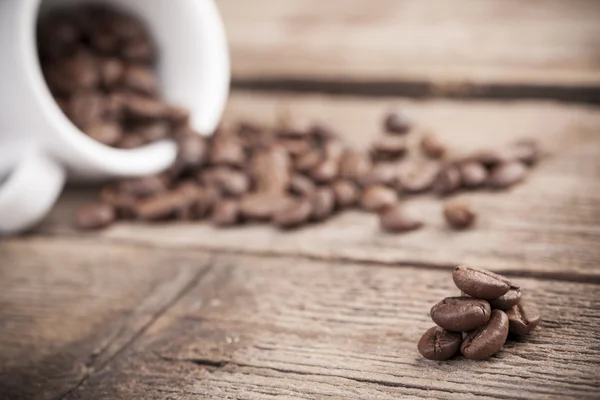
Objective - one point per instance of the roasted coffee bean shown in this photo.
(397, 122)
(309, 161)
(322, 132)
(141, 79)
(432, 147)
(77, 73)
(523, 318)
(346, 193)
(300, 185)
(376, 198)
(144, 108)
(94, 216)
(325, 172)
(123, 203)
(472, 174)
(487, 340)
(507, 174)
(461, 314)
(395, 218)
(270, 170)
(228, 181)
(527, 151)
(447, 181)
(262, 206)
(86, 109)
(388, 148)
(293, 215)
(295, 146)
(58, 36)
(192, 151)
(508, 299)
(138, 51)
(206, 199)
(382, 173)
(417, 178)
(111, 72)
(165, 205)
(142, 187)
(130, 141)
(354, 165)
(439, 344)
(108, 133)
(492, 158)
(154, 131)
(226, 213)
(480, 283)
(227, 150)
(459, 215)
(322, 204)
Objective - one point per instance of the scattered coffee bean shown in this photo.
(397, 122)
(508, 299)
(323, 203)
(461, 314)
(354, 165)
(226, 213)
(142, 187)
(309, 161)
(271, 170)
(228, 181)
(459, 215)
(487, 340)
(388, 148)
(447, 181)
(227, 150)
(382, 173)
(395, 218)
(432, 147)
(262, 206)
(507, 174)
(417, 178)
(346, 193)
(325, 172)
(480, 283)
(472, 174)
(94, 216)
(295, 214)
(439, 344)
(376, 198)
(165, 205)
(523, 318)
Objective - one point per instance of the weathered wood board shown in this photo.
(258, 328)
(68, 307)
(454, 46)
(547, 226)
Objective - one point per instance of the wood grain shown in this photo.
(547, 226)
(257, 328)
(68, 307)
(456, 46)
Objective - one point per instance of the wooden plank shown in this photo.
(68, 307)
(548, 226)
(258, 328)
(456, 46)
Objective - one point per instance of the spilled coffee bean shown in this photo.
(395, 218)
(94, 216)
(486, 341)
(459, 215)
(439, 344)
(480, 283)
(523, 318)
(461, 314)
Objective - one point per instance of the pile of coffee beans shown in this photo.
(477, 322)
(98, 64)
(290, 176)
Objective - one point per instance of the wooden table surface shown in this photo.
(187, 311)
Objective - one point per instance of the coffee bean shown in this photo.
(388, 148)
(226, 213)
(322, 132)
(207, 197)
(141, 79)
(108, 133)
(300, 185)
(293, 215)
(523, 318)
(417, 178)
(354, 165)
(123, 203)
(508, 299)
(111, 72)
(461, 313)
(492, 158)
(144, 108)
(472, 174)
(155, 131)
(139, 51)
(295, 146)
(447, 181)
(432, 147)
(227, 150)
(58, 36)
(376, 198)
(192, 151)
(130, 141)
(142, 187)
(86, 109)
(262, 206)
(322, 204)
(507, 174)
(228, 181)
(382, 173)
(165, 205)
(459, 215)
(346, 193)
(487, 340)
(325, 172)
(308, 161)
(527, 151)
(480, 283)
(94, 216)
(77, 73)
(395, 218)
(397, 122)
(439, 344)
(271, 170)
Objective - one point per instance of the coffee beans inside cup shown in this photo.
(489, 308)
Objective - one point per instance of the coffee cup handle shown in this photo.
(29, 191)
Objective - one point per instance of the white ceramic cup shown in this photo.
(40, 147)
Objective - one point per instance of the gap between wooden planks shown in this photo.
(549, 226)
(256, 328)
(463, 47)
